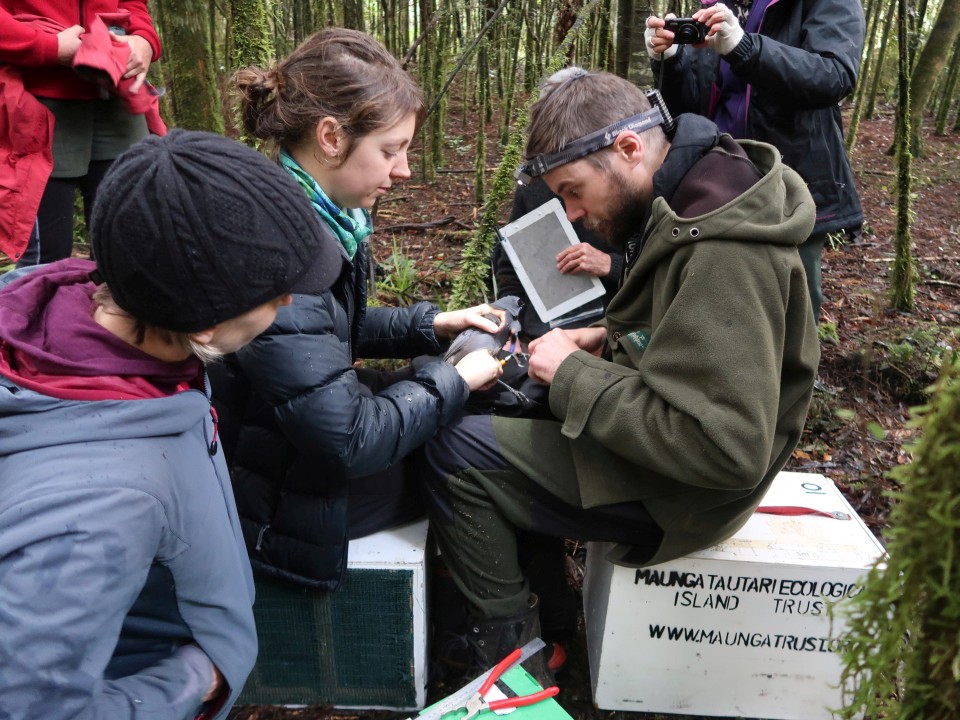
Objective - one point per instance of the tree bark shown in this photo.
(949, 92)
(928, 67)
(187, 67)
(903, 272)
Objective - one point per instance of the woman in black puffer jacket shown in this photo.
(317, 446)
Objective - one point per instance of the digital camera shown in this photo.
(686, 31)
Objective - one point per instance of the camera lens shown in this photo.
(687, 34)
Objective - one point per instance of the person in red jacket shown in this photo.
(91, 126)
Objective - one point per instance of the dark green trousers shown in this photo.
(486, 478)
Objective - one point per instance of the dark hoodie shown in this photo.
(50, 343)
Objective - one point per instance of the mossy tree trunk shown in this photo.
(623, 51)
(949, 94)
(603, 57)
(930, 63)
(903, 273)
(250, 37)
(188, 69)
(250, 30)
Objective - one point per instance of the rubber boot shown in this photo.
(495, 638)
(543, 560)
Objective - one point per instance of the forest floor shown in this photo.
(876, 362)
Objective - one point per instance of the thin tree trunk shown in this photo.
(865, 67)
(949, 92)
(878, 72)
(624, 34)
(903, 272)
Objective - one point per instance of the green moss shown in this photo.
(902, 655)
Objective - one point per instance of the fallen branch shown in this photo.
(944, 283)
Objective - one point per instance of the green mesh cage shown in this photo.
(353, 647)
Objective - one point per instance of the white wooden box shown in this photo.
(740, 629)
(362, 646)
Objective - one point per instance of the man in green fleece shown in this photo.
(677, 410)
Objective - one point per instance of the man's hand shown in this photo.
(659, 42)
(479, 370)
(725, 32)
(141, 55)
(583, 258)
(68, 42)
(451, 324)
(591, 339)
(547, 352)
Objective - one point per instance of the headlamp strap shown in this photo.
(599, 139)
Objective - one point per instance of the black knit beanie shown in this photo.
(193, 228)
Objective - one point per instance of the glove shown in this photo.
(725, 33)
(648, 38)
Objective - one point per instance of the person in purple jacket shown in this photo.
(776, 71)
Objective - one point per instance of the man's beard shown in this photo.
(626, 212)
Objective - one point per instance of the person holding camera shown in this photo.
(774, 71)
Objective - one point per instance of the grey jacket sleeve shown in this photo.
(71, 566)
(821, 70)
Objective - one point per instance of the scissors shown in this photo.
(476, 703)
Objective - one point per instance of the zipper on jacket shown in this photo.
(212, 449)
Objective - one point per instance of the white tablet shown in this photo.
(532, 243)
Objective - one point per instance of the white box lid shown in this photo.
(801, 539)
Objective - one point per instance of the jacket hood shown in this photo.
(760, 200)
(31, 421)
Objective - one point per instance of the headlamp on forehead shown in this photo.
(605, 137)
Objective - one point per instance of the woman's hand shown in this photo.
(479, 370)
(68, 42)
(141, 55)
(451, 324)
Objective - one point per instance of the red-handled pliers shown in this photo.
(476, 703)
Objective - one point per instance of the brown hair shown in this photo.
(574, 103)
(337, 72)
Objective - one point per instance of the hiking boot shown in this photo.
(451, 654)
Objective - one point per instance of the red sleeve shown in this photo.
(23, 44)
(141, 24)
